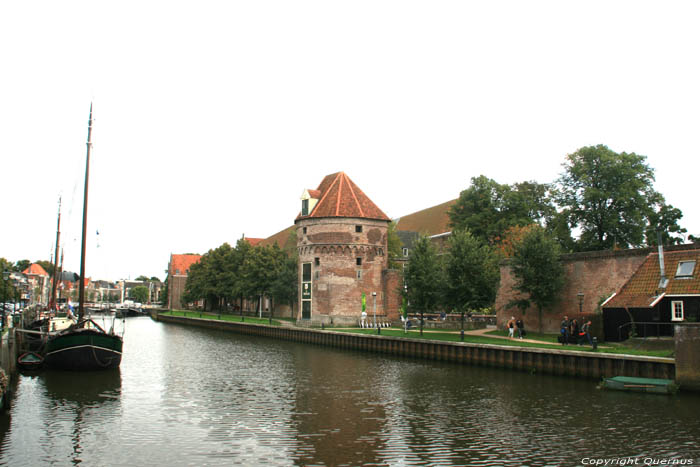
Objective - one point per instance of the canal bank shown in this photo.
(551, 361)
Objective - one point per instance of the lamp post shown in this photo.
(580, 302)
(374, 298)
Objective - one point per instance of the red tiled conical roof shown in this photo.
(340, 197)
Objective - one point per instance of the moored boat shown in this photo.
(651, 385)
(30, 361)
(84, 345)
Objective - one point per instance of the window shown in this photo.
(405, 251)
(304, 230)
(358, 228)
(317, 261)
(304, 207)
(306, 272)
(677, 311)
(359, 274)
(358, 261)
(685, 269)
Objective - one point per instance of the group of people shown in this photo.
(515, 326)
(570, 328)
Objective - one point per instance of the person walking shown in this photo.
(586, 329)
(511, 327)
(565, 330)
(521, 328)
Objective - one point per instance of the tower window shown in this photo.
(304, 230)
(358, 261)
(317, 261)
(358, 228)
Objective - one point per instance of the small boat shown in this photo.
(30, 361)
(651, 385)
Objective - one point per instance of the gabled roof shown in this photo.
(430, 221)
(643, 291)
(281, 238)
(340, 197)
(36, 270)
(182, 263)
(253, 241)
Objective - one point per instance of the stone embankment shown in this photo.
(558, 362)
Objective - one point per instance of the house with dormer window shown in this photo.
(665, 290)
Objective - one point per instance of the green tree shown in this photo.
(284, 287)
(538, 271)
(665, 220)
(139, 294)
(488, 209)
(472, 274)
(610, 198)
(21, 265)
(142, 278)
(393, 246)
(423, 278)
(260, 270)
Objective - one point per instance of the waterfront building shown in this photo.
(342, 245)
(39, 284)
(178, 269)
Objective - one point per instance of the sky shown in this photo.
(212, 117)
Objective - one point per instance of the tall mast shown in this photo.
(81, 296)
(52, 301)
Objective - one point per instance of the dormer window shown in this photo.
(308, 201)
(685, 269)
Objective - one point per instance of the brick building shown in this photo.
(342, 244)
(178, 269)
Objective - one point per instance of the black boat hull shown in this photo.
(83, 350)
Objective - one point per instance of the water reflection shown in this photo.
(199, 397)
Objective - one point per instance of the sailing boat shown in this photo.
(84, 346)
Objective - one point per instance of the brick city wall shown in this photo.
(336, 289)
(596, 274)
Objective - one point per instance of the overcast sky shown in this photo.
(211, 117)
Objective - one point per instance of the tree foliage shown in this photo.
(472, 273)
(488, 209)
(610, 198)
(139, 293)
(227, 273)
(424, 278)
(538, 271)
(393, 246)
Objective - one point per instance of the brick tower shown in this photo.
(342, 243)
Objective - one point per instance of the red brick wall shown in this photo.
(336, 291)
(597, 274)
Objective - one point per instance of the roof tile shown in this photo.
(643, 287)
(340, 197)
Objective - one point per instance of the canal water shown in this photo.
(191, 397)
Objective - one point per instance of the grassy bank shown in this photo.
(545, 341)
(223, 317)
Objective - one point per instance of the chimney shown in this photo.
(663, 282)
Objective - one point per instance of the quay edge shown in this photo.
(551, 361)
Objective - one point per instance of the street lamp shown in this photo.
(374, 297)
(580, 302)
